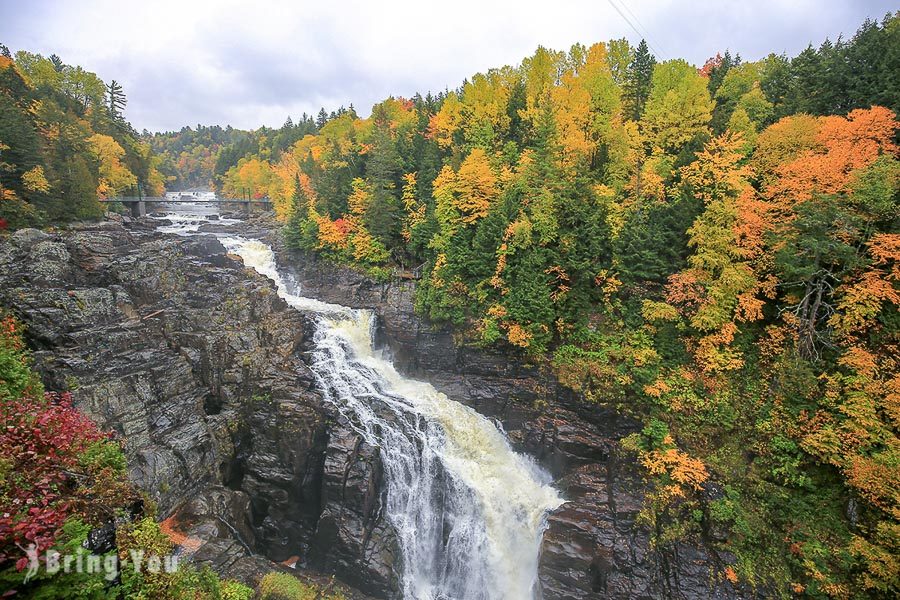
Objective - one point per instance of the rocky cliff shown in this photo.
(201, 369)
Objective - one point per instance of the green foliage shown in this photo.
(301, 232)
(679, 108)
(654, 436)
(233, 590)
(653, 241)
(104, 454)
(282, 586)
(16, 376)
(78, 586)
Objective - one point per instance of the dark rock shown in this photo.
(102, 539)
(351, 531)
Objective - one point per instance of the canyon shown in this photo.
(207, 375)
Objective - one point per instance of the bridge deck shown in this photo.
(155, 199)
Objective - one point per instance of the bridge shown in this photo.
(138, 205)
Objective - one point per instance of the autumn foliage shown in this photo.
(65, 143)
(43, 439)
(54, 461)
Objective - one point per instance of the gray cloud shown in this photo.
(185, 62)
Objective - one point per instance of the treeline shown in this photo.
(64, 142)
(713, 251)
(217, 158)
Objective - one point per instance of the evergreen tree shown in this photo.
(806, 72)
(58, 64)
(383, 170)
(321, 118)
(301, 231)
(719, 71)
(832, 79)
(638, 78)
(775, 82)
(115, 101)
(652, 244)
(872, 65)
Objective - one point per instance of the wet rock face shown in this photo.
(593, 547)
(351, 528)
(198, 365)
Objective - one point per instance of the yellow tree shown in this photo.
(540, 73)
(573, 120)
(781, 143)
(447, 121)
(463, 197)
(414, 211)
(115, 177)
(485, 100)
(679, 108)
(585, 104)
(251, 176)
(719, 268)
(476, 186)
(285, 176)
(34, 180)
(360, 197)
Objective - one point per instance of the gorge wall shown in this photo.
(202, 370)
(199, 367)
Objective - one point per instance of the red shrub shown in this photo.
(41, 440)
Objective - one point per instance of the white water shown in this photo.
(469, 512)
(186, 219)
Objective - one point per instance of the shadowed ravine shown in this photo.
(468, 511)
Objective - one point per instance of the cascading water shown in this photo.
(188, 218)
(469, 512)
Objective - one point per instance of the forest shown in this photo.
(64, 143)
(714, 251)
(200, 158)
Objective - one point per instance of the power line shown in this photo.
(635, 29)
(641, 27)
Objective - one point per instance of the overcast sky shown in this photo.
(253, 63)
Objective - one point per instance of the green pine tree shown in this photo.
(637, 81)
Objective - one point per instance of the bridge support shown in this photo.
(138, 209)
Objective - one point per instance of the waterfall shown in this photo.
(469, 512)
